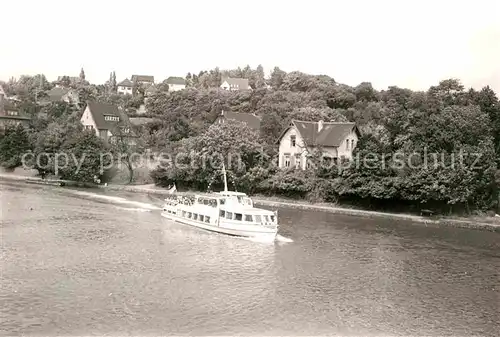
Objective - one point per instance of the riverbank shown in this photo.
(481, 223)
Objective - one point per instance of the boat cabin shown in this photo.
(237, 199)
(232, 206)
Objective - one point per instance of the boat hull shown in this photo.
(249, 233)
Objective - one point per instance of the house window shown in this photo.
(286, 161)
(111, 118)
(352, 144)
(297, 161)
(292, 140)
(347, 144)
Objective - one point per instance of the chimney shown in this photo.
(320, 125)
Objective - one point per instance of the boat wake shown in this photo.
(133, 209)
(140, 205)
(281, 238)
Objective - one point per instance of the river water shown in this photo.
(82, 263)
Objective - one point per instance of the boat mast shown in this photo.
(225, 178)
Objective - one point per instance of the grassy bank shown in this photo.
(473, 222)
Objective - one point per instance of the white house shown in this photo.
(106, 120)
(125, 87)
(336, 140)
(234, 84)
(175, 83)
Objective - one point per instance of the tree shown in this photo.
(56, 110)
(82, 75)
(259, 80)
(489, 103)
(85, 158)
(65, 81)
(277, 78)
(50, 140)
(232, 142)
(365, 92)
(125, 148)
(14, 143)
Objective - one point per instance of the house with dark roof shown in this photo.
(175, 83)
(60, 94)
(300, 138)
(107, 121)
(143, 79)
(250, 120)
(10, 114)
(235, 84)
(125, 87)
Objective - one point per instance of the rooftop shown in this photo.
(100, 110)
(240, 83)
(175, 80)
(251, 120)
(331, 133)
(143, 78)
(126, 83)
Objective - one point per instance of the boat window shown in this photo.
(248, 218)
(195, 216)
(266, 218)
(229, 215)
(240, 200)
(207, 218)
(222, 213)
(222, 201)
(206, 201)
(184, 213)
(272, 218)
(189, 215)
(200, 218)
(238, 216)
(213, 203)
(258, 218)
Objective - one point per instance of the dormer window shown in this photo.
(111, 118)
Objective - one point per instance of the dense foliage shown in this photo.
(438, 148)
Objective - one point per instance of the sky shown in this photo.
(412, 44)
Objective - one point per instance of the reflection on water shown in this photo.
(81, 263)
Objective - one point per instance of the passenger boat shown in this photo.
(226, 212)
